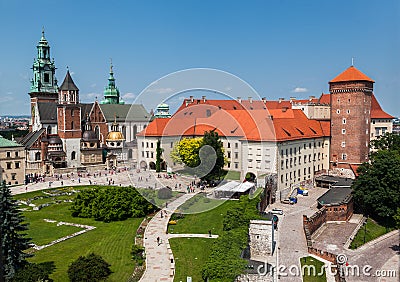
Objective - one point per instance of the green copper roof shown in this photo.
(111, 92)
(5, 143)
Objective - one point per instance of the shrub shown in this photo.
(90, 268)
(164, 193)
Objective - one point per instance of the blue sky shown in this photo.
(281, 48)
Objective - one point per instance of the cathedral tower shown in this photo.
(111, 93)
(44, 83)
(351, 93)
(69, 120)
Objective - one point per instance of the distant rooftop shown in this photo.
(335, 181)
(335, 196)
(5, 143)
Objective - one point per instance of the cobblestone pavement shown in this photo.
(291, 240)
(332, 236)
(142, 179)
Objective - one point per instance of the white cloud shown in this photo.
(93, 85)
(129, 96)
(299, 90)
(160, 90)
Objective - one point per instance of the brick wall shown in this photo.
(350, 101)
(315, 221)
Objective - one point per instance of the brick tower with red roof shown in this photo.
(351, 93)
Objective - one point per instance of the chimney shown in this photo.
(284, 109)
(281, 99)
(250, 100)
(264, 99)
(311, 97)
(292, 98)
(239, 99)
(204, 98)
(186, 102)
(191, 99)
(271, 117)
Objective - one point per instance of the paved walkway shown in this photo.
(160, 263)
(192, 236)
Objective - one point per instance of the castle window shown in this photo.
(343, 131)
(344, 121)
(46, 78)
(72, 125)
(338, 111)
(8, 154)
(37, 156)
(73, 155)
(13, 176)
(8, 165)
(348, 111)
(72, 113)
(16, 154)
(17, 164)
(229, 145)
(49, 129)
(344, 156)
(344, 144)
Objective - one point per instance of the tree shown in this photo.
(211, 138)
(33, 272)
(377, 190)
(158, 156)
(90, 268)
(186, 151)
(397, 218)
(13, 243)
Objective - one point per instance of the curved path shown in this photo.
(160, 263)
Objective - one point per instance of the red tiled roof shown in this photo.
(351, 74)
(278, 104)
(326, 127)
(325, 99)
(155, 128)
(376, 110)
(354, 169)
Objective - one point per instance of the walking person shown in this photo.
(158, 241)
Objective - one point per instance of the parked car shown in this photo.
(277, 211)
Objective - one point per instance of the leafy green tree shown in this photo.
(34, 272)
(211, 138)
(90, 268)
(186, 151)
(377, 190)
(397, 218)
(158, 156)
(12, 241)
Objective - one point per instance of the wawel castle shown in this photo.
(283, 143)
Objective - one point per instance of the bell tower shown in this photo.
(44, 83)
(69, 120)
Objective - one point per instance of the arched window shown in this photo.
(37, 156)
(134, 131)
(49, 129)
(97, 131)
(72, 110)
(124, 131)
(72, 125)
(73, 155)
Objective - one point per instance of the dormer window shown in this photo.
(46, 78)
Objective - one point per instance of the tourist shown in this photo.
(209, 233)
(158, 241)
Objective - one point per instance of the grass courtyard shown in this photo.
(313, 270)
(113, 241)
(200, 223)
(371, 231)
(190, 255)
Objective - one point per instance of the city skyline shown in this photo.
(281, 49)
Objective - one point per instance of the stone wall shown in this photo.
(261, 233)
(340, 213)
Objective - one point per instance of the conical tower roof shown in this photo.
(68, 83)
(351, 74)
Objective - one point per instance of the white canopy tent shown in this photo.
(234, 189)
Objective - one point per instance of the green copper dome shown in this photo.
(111, 92)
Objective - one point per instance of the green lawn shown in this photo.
(232, 175)
(200, 223)
(199, 204)
(190, 255)
(311, 269)
(113, 241)
(372, 231)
